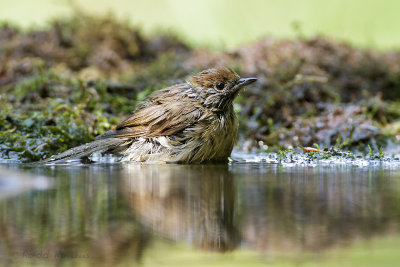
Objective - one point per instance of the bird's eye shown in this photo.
(220, 86)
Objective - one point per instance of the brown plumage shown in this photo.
(188, 122)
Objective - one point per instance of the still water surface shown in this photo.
(115, 213)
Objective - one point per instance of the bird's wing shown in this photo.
(162, 114)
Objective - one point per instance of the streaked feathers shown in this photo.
(188, 122)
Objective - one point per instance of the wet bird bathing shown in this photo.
(87, 79)
(315, 176)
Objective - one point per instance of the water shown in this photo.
(128, 213)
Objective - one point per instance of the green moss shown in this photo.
(41, 134)
(94, 70)
(50, 113)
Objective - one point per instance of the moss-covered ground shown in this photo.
(63, 85)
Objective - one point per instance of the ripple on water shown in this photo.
(290, 159)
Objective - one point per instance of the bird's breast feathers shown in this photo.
(211, 137)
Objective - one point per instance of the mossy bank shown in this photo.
(63, 85)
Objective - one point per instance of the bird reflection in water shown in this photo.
(192, 203)
(109, 214)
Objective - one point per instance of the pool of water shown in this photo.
(110, 213)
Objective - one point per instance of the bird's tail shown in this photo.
(86, 149)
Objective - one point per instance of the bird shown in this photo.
(190, 122)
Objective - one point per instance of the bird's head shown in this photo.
(217, 88)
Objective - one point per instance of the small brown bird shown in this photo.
(189, 122)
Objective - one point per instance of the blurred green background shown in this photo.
(227, 24)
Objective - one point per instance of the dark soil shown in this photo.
(61, 86)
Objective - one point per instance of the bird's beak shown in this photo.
(245, 81)
(240, 84)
